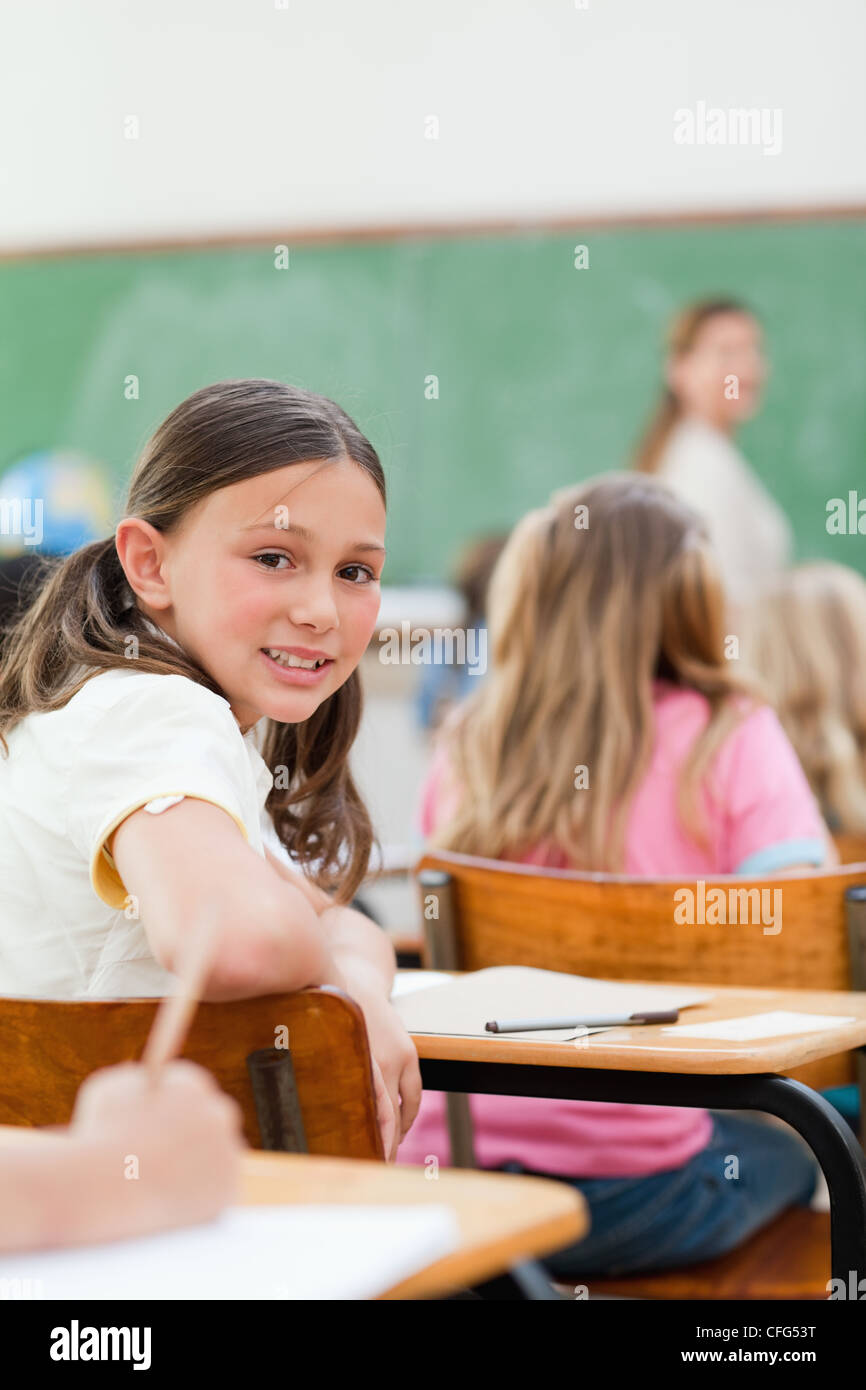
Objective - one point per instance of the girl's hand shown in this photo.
(396, 1061)
(183, 1133)
(384, 1109)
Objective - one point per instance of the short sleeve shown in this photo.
(771, 818)
(159, 737)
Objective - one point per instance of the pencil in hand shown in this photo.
(176, 1012)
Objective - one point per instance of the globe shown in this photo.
(53, 502)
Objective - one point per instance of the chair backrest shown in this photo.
(491, 912)
(49, 1046)
(852, 848)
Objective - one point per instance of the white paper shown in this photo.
(507, 992)
(407, 981)
(775, 1024)
(255, 1252)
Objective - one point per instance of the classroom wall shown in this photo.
(300, 113)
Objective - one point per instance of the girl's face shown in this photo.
(287, 562)
(721, 378)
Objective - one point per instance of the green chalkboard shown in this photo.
(545, 372)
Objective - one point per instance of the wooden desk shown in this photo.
(499, 1222)
(658, 1048)
(503, 1220)
(649, 1066)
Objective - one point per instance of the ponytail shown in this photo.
(651, 447)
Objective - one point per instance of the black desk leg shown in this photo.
(839, 1155)
(828, 1135)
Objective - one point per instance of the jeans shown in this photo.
(691, 1213)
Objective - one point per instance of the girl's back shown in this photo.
(675, 779)
(755, 800)
(761, 818)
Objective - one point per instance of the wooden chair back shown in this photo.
(316, 1061)
(852, 848)
(491, 912)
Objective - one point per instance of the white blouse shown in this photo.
(126, 740)
(751, 534)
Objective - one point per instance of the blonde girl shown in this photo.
(807, 640)
(607, 643)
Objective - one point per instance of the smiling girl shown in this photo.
(186, 689)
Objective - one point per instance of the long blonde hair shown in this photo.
(582, 620)
(807, 640)
(683, 335)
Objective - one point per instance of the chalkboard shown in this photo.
(545, 371)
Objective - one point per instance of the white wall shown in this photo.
(255, 117)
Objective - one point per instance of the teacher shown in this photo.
(714, 374)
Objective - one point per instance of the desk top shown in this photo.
(659, 1048)
(501, 1217)
(499, 1221)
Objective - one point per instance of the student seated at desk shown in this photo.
(173, 687)
(806, 638)
(612, 735)
(184, 1132)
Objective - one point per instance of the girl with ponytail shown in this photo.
(182, 691)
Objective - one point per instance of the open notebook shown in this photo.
(261, 1252)
(461, 1007)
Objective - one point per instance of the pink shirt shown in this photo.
(761, 817)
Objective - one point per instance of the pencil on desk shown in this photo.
(176, 1011)
(533, 1025)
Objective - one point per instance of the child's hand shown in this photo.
(385, 1115)
(362, 966)
(395, 1057)
(166, 1154)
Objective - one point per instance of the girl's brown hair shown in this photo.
(582, 619)
(80, 622)
(807, 640)
(682, 337)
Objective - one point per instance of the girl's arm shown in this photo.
(359, 945)
(190, 866)
(365, 957)
(318, 899)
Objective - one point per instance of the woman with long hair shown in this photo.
(714, 375)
